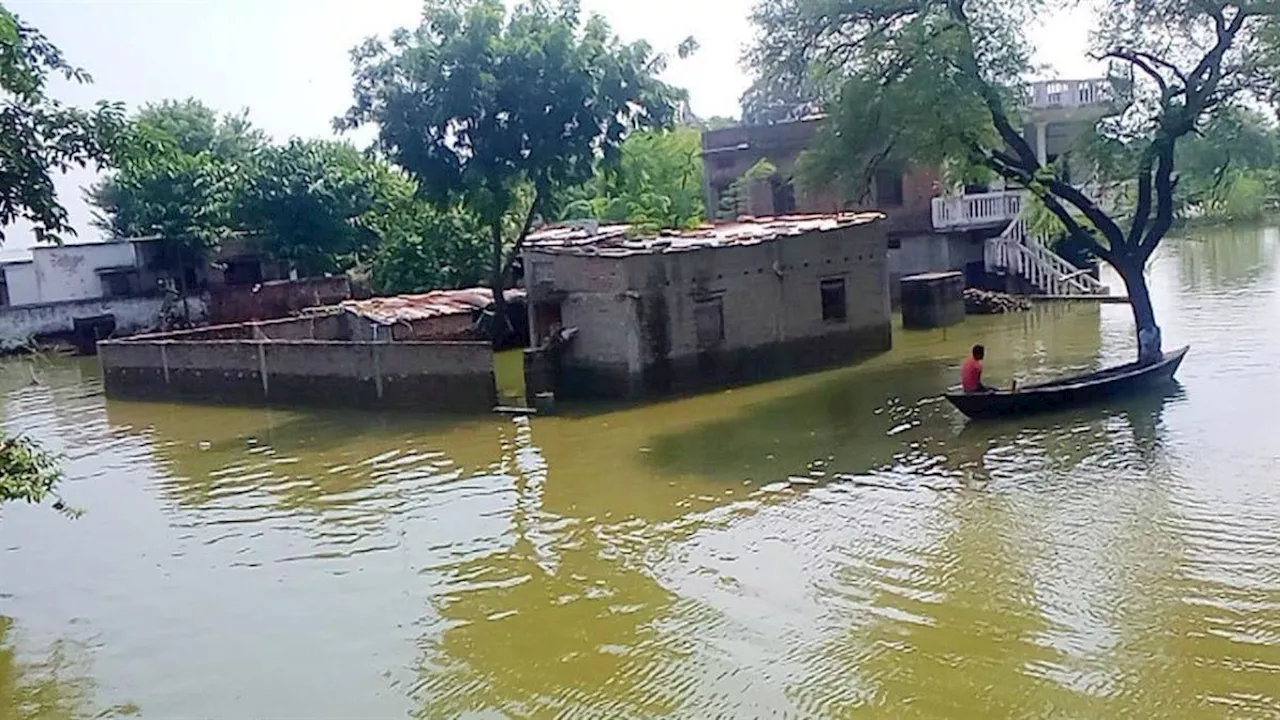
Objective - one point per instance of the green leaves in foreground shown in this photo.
(27, 473)
(39, 136)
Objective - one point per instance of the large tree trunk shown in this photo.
(1148, 332)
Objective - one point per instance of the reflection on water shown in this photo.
(821, 546)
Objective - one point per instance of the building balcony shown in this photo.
(1069, 101)
(1069, 93)
(979, 210)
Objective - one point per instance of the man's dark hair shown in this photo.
(979, 352)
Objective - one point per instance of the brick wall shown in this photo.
(241, 303)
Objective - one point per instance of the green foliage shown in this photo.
(1244, 199)
(320, 206)
(27, 473)
(718, 122)
(656, 185)
(189, 185)
(480, 105)
(38, 135)
(310, 203)
(905, 91)
(940, 82)
(423, 248)
(1227, 165)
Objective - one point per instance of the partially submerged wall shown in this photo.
(660, 323)
(439, 376)
(20, 325)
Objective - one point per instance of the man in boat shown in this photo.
(971, 371)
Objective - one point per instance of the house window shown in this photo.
(895, 242)
(834, 307)
(117, 284)
(888, 188)
(708, 321)
(543, 272)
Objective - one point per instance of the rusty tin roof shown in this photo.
(620, 241)
(437, 303)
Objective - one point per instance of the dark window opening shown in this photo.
(239, 272)
(889, 189)
(784, 197)
(895, 243)
(834, 307)
(4, 294)
(708, 321)
(117, 284)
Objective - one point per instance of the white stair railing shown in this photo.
(1016, 251)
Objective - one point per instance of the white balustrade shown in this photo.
(1016, 251)
(982, 209)
(1068, 93)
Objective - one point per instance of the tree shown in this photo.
(186, 186)
(1225, 168)
(656, 185)
(27, 473)
(311, 202)
(423, 247)
(40, 136)
(478, 105)
(940, 81)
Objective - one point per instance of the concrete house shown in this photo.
(725, 304)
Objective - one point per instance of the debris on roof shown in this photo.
(437, 303)
(620, 240)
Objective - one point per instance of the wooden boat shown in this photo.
(1068, 392)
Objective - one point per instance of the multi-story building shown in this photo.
(929, 227)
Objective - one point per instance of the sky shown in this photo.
(286, 60)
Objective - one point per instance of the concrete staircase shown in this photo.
(1018, 253)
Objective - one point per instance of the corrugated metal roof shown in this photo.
(621, 241)
(437, 303)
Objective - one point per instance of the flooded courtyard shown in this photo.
(835, 545)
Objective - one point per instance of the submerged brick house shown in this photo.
(724, 304)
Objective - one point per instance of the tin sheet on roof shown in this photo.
(437, 303)
(620, 240)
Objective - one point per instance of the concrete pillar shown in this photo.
(1042, 143)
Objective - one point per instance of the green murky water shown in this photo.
(829, 546)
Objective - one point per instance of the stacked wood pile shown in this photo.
(984, 302)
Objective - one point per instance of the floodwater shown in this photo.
(835, 545)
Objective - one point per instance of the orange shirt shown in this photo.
(971, 375)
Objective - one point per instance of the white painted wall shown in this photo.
(69, 272)
(20, 278)
(18, 325)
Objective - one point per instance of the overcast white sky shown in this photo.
(286, 60)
